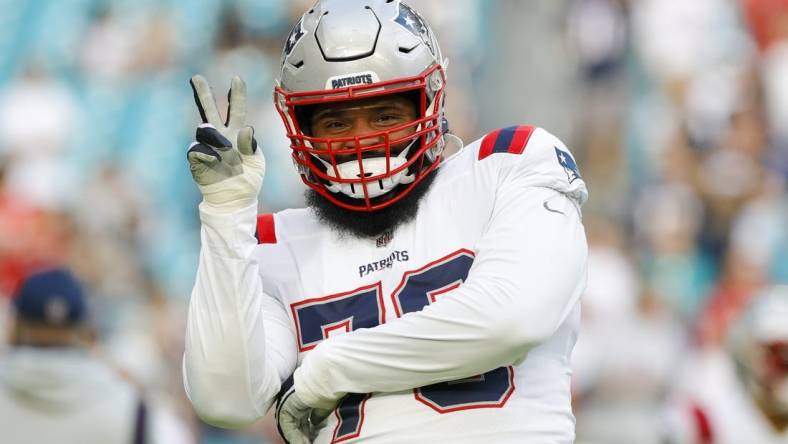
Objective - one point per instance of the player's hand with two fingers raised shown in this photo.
(225, 161)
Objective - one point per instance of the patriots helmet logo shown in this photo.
(568, 164)
(412, 21)
(295, 35)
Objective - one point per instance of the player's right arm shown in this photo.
(239, 342)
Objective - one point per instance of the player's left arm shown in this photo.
(528, 274)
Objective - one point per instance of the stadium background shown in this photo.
(677, 112)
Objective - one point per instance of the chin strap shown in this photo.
(452, 145)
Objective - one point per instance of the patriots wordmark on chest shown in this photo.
(386, 262)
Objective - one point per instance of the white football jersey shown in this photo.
(715, 407)
(457, 327)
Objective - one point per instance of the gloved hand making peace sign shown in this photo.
(225, 161)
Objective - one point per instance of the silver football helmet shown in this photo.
(344, 50)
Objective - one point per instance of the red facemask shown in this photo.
(371, 182)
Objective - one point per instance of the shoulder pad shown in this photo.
(540, 159)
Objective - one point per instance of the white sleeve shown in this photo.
(683, 421)
(239, 342)
(528, 273)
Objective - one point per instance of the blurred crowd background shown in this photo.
(676, 110)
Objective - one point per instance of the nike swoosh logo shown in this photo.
(544, 204)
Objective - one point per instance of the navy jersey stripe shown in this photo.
(510, 140)
(504, 140)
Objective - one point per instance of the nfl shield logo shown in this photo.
(384, 239)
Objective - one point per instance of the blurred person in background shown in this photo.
(30, 236)
(53, 388)
(619, 381)
(36, 141)
(768, 22)
(738, 393)
(701, 210)
(598, 32)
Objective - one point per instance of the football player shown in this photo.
(739, 394)
(429, 292)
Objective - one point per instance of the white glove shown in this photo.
(228, 175)
(297, 422)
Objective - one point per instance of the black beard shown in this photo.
(369, 224)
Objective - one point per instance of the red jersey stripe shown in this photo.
(488, 143)
(510, 140)
(705, 434)
(520, 139)
(266, 230)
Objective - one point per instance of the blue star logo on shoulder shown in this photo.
(568, 163)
